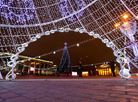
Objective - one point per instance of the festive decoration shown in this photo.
(129, 29)
(78, 44)
(19, 11)
(65, 64)
(126, 73)
(25, 21)
(65, 9)
(26, 57)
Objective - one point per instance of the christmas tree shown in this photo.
(65, 64)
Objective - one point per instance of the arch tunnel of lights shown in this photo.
(112, 21)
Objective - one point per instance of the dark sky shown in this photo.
(93, 51)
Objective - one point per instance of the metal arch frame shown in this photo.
(20, 49)
(125, 42)
(74, 13)
(129, 9)
(20, 17)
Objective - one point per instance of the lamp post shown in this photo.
(129, 29)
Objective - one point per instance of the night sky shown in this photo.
(90, 52)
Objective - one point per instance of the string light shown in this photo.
(54, 52)
(78, 44)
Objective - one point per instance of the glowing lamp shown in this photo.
(31, 69)
(54, 52)
(125, 23)
(85, 73)
(74, 73)
(65, 43)
(54, 65)
(116, 25)
(78, 44)
(137, 17)
(22, 61)
(37, 63)
(125, 16)
(32, 62)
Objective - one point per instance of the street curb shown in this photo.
(27, 80)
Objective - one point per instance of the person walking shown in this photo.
(57, 71)
(80, 68)
(112, 67)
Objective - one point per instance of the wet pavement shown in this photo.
(69, 89)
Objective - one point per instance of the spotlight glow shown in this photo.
(125, 16)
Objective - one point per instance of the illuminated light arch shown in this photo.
(93, 18)
(13, 13)
(13, 58)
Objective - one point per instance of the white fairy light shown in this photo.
(91, 33)
(78, 44)
(67, 29)
(61, 30)
(52, 31)
(77, 30)
(54, 52)
(33, 39)
(47, 33)
(81, 30)
(38, 35)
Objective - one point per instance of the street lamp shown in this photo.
(128, 28)
(137, 17)
(125, 16)
(117, 24)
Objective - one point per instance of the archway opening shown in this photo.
(89, 51)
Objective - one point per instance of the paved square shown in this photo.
(69, 90)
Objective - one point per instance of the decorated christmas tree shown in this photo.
(65, 64)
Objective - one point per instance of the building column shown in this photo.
(23, 69)
(44, 65)
(29, 67)
(34, 67)
(40, 68)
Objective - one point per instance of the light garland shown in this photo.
(26, 57)
(14, 14)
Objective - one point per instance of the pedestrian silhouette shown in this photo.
(112, 65)
(80, 68)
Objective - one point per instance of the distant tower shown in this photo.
(65, 64)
